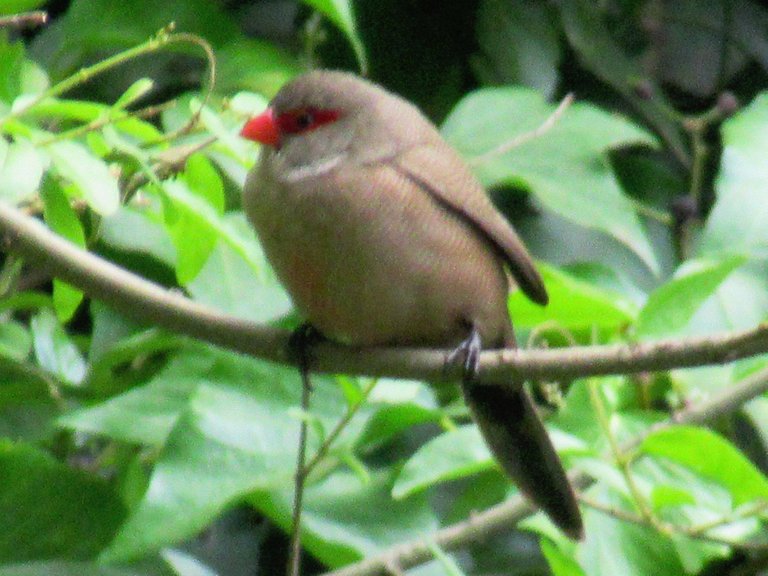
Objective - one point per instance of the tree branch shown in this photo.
(501, 517)
(153, 304)
(25, 19)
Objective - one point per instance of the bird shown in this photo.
(382, 236)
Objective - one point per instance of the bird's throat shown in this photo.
(316, 168)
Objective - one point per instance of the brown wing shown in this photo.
(439, 170)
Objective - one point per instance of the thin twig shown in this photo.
(742, 513)
(10, 273)
(190, 124)
(612, 511)
(162, 39)
(303, 470)
(620, 457)
(521, 139)
(294, 556)
(24, 20)
(667, 528)
(107, 118)
(339, 428)
(660, 216)
(169, 162)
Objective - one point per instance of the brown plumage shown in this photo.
(382, 236)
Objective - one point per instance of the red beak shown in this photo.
(262, 128)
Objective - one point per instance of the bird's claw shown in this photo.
(299, 344)
(469, 352)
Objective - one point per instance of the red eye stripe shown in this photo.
(305, 119)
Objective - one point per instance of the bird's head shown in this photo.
(325, 114)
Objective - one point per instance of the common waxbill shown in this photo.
(382, 236)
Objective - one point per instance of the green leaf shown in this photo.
(246, 104)
(390, 421)
(399, 405)
(559, 562)
(100, 25)
(9, 7)
(21, 385)
(519, 44)
(254, 64)
(663, 496)
(63, 109)
(566, 168)
(50, 510)
(248, 292)
(190, 222)
(340, 12)
(452, 455)
(54, 350)
(138, 228)
(698, 555)
(185, 564)
(739, 303)
(21, 170)
(89, 175)
(195, 225)
(34, 79)
(710, 456)
(82, 111)
(126, 363)
(729, 34)
(233, 155)
(61, 218)
(345, 519)
(66, 299)
(192, 217)
(110, 329)
(573, 304)
(65, 568)
(448, 564)
(614, 547)
(204, 181)
(236, 432)
(27, 406)
(738, 222)
(11, 61)
(221, 127)
(28, 300)
(477, 492)
(224, 446)
(135, 91)
(671, 306)
(700, 502)
(15, 340)
(577, 417)
(592, 40)
(145, 415)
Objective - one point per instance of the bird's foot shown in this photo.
(469, 353)
(299, 344)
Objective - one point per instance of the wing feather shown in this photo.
(437, 169)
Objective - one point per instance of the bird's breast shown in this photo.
(370, 259)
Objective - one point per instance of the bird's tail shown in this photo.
(518, 440)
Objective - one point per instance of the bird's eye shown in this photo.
(302, 120)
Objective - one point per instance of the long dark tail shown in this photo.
(514, 432)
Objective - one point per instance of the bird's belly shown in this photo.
(351, 296)
(380, 272)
